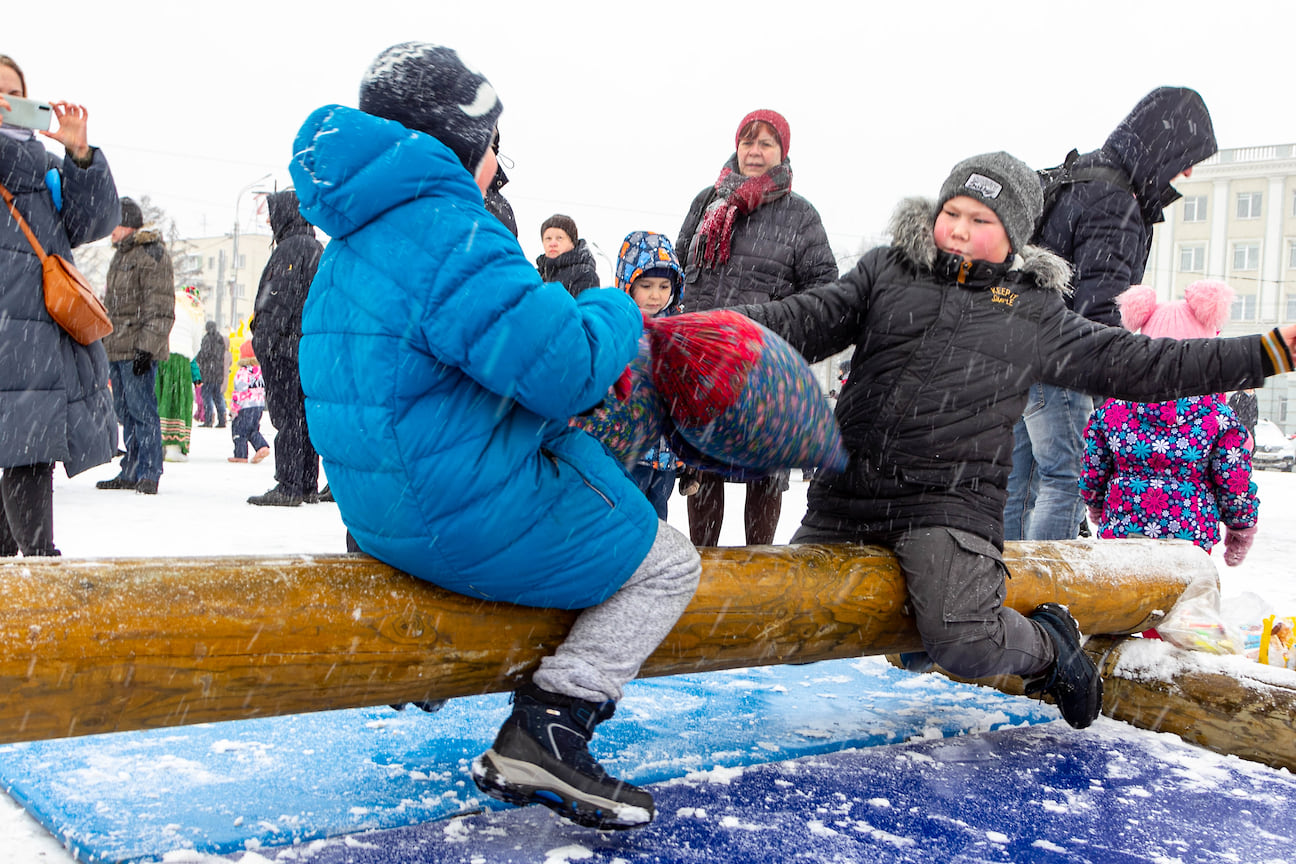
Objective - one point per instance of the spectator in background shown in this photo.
(1101, 224)
(495, 201)
(141, 302)
(748, 238)
(1247, 408)
(175, 389)
(213, 366)
(567, 258)
(276, 333)
(54, 400)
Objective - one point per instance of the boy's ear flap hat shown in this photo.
(776, 121)
(430, 89)
(1006, 185)
(1200, 315)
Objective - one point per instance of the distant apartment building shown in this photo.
(1237, 222)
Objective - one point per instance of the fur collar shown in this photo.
(911, 233)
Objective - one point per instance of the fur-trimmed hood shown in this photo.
(911, 233)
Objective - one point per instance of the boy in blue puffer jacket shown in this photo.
(649, 272)
(440, 373)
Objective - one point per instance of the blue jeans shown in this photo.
(1044, 500)
(137, 412)
(245, 430)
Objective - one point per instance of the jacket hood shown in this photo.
(911, 233)
(350, 167)
(1168, 131)
(642, 251)
(285, 214)
(140, 237)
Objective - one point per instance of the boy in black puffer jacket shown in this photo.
(951, 325)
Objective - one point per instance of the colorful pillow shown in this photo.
(629, 427)
(741, 396)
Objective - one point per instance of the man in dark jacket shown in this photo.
(213, 366)
(276, 332)
(141, 302)
(1104, 229)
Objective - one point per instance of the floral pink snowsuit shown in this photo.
(1168, 469)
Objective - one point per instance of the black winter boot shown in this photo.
(1074, 681)
(541, 756)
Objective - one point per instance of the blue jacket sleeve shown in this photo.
(527, 339)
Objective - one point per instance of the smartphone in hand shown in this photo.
(26, 113)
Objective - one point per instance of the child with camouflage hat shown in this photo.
(951, 324)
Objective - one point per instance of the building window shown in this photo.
(1293, 204)
(1249, 204)
(1291, 308)
(211, 263)
(1246, 256)
(1192, 259)
(1243, 308)
(1194, 208)
(1291, 254)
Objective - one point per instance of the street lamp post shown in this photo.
(234, 264)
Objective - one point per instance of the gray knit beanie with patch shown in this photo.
(1006, 185)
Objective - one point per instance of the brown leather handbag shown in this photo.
(69, 299)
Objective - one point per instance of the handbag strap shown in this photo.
(22, 223)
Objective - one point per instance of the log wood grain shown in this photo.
(104, 645)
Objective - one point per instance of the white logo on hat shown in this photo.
(983, 186)
(484, 102)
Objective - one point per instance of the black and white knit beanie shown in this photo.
(430, 89)
(1006, 185)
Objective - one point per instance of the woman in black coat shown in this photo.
(748, 238)
(54, 399)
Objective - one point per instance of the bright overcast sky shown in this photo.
(618, 113)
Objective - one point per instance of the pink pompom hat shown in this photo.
(1200, 315)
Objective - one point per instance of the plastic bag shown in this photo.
(1196, 622)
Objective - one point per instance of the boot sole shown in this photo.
(523, 783)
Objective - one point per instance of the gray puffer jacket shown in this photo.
(54, 400)
(943, 361)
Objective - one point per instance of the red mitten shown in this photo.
(1237, 542)
(624, 385)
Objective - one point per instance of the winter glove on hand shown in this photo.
(142, 362)
(1237, 542)
(1095, 516)
(688, 482)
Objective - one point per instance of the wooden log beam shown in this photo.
(90, 646)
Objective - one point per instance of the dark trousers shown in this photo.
(28, 524)
(213, 396)
(761, 510)
(656, 484)
(956, 586)
(296, 462)
(246, 429)
(135, 402)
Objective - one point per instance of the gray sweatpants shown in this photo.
(956, 586)
(609, 642)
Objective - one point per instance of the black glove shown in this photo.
(142, 363)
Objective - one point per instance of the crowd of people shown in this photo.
(981, 336)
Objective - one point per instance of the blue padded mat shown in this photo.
(223, 787)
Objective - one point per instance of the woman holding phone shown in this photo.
(54, 400)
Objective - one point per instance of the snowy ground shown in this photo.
(201, 510)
